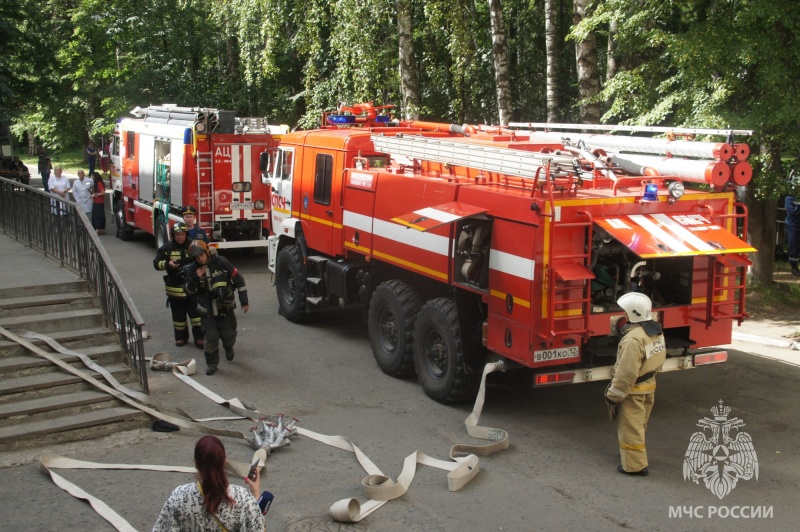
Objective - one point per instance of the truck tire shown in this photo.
(124, 232)
(439, 354)
(290, 284)
(392, 311)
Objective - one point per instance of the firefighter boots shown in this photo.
(229, 353)
(642, 473)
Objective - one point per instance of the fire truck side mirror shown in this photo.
(264, 162)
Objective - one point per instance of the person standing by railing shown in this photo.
(99, 204)
(44, 168)
(58, 185)
(82, 192)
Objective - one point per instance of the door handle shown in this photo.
(329, 213)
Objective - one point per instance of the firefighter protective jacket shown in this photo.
(638, 354)
(174, 280)
(215, 289)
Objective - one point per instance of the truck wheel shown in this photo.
(439, 354)
(290, 284)
(162, 232)
(392, 311)
(123, 231)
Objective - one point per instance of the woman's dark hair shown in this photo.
(209, 459)
(97, 177)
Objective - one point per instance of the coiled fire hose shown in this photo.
(379, 488)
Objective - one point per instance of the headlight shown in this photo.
(259, 204)
(676, 190)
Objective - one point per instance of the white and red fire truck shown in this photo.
(467, 243)
(169, 157)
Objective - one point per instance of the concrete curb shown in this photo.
(753, 339)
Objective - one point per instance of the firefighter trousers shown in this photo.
(218, 328)
(180, 308)
(632, 416)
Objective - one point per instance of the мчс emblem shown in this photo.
(721, 454)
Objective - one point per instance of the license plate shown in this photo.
(241, 206)
(548, 355)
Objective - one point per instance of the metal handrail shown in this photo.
(59, 229)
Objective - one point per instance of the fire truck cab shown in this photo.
(467, 244)
(168, 158)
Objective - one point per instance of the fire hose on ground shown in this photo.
(379, 488)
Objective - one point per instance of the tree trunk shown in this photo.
(762, 219)
(31, 142)
(409, 84)
(552, 46)
(502, 78)
(588, 73)
(611, 54)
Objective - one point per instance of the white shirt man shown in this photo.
(82, 192)
(58, 185)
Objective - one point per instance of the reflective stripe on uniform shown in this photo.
(631, 446)
(219, 285)
(196, 322)
(179, 325)
(175, 291)
(643, 388)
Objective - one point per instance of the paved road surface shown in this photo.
(559, 473)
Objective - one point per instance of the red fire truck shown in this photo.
(170, 157)
(467, 243)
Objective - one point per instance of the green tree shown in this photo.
(714, 64)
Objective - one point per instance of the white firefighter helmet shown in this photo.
(637, 306)
(794, 180)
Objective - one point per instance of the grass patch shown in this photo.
(71, 160)
(778, 301)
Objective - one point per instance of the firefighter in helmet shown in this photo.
(631, 393)
(212, 278)
(171, 258)
(193, 229)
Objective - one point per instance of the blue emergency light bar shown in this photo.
(352, 119)
(341, 119)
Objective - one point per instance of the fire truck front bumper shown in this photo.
(603, 373)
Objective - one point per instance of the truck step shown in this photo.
(313, 300)
(318, 259)
(316, 281)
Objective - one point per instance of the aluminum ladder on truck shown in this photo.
(205, 183)
(520, 163)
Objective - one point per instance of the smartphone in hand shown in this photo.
(253, 471)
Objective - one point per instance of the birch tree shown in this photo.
(552, 45)
(502, 76)
(588, 73)
(409, 81)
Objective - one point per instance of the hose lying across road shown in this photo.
(379, 488)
